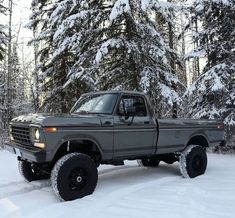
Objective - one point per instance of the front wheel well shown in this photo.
(198, 140)
(81, 146)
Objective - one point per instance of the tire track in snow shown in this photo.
(28, 188)
(112, 198)
(11, 184)
(99, 203)
(191, 208)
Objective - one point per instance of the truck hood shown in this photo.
(59, 120)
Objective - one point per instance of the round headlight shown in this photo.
(37, 135)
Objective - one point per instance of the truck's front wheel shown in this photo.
(193, 161)
(74, 176)
(31, 173)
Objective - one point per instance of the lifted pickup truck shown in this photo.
(106, 128)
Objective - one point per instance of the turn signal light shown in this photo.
(39, 145)
(50, 129)
(220, 126)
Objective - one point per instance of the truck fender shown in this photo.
(77, 137)
(197, 134)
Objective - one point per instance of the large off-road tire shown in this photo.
(193, 161)
(74, 176)
(31, 173)
(149, 162)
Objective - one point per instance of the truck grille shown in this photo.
(21, 135)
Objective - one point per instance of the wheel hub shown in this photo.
(197, 163)
(79, 179)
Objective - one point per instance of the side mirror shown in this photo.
(130, 112)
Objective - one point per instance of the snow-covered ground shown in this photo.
(126, 191)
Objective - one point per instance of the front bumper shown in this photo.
(28, 153)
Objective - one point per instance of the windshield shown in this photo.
(101, 104)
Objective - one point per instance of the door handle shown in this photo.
(146, 122)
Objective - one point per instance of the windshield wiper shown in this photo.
(82, 112)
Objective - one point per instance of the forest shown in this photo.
(181, 53)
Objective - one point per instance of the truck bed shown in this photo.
(174, 133)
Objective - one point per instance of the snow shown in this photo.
(211, 76)
(69, 22)
(212, 95)
(58, 11)
(114, 43)
(120, 7)
(195, 53)
(103, 50)
(126, 191)
(170, 95)
(230, 120)
(157, 4)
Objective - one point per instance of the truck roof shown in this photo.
(115, 92)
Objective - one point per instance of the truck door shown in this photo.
(134, 130)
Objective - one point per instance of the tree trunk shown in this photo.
(35, 75)
(172, 63)
(9, 67)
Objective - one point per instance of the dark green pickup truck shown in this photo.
(106, 128)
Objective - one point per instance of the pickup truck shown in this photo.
(106, 128)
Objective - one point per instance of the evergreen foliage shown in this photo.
(20, 103)
(3, 37)
(3, 43)
(102, 45)
(212, 95)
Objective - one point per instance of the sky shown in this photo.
(20, 17)
(21, 13)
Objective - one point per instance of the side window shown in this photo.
(132, 103)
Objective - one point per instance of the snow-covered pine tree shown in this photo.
(212, 95)
(181, 20)
(3, 38)
(54, 61)
(118, 45)
(3, 70)
(3, 43)
(20, 104)
(42, 42)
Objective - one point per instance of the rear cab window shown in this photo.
(133, 102)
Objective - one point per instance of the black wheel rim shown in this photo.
(197, 163)
(77, 179)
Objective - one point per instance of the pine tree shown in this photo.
(118, 45)
(3, 68)
(38, 23)
(212, 95)
(54, 63)
(20, 104)
(3, 37)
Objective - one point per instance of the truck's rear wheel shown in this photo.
(74, 176)
(149, 162)
(193, 161)
(31, 173)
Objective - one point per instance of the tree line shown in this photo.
(81, 46)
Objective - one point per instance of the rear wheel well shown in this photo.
(82, 146)
(198, 140)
